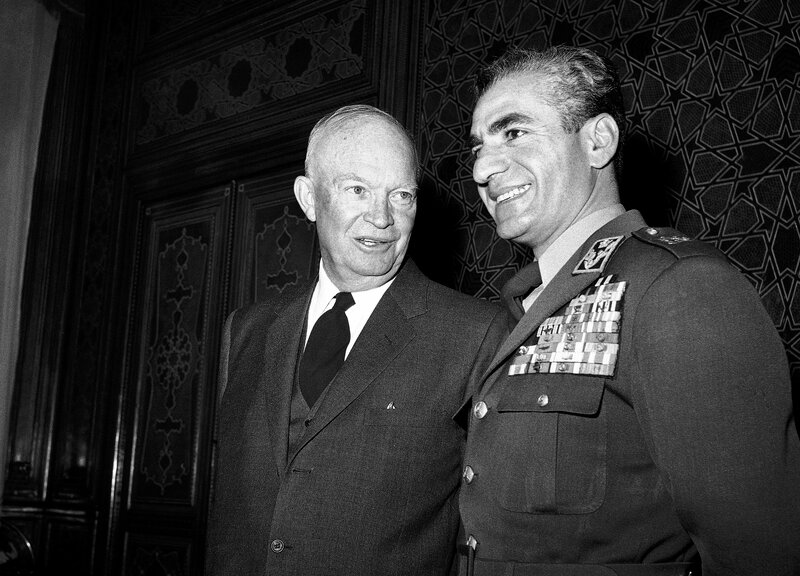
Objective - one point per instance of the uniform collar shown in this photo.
(565, 246)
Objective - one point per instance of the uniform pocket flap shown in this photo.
(570, 394)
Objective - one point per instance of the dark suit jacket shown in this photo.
(688, 448)
(368, 490)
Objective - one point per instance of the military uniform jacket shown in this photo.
(371, 486)
(682, 444)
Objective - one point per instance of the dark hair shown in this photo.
(578, 83)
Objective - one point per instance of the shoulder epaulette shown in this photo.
(677, 243)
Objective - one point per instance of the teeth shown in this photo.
(512, 193)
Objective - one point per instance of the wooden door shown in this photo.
(199, 255)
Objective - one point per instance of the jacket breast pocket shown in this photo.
(550, 451)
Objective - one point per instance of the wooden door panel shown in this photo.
(180, 307)
(276, 246)
(162, 554)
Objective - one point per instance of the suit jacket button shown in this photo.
(480, 410)
(543, 400)
(276, 546)
(469, 474)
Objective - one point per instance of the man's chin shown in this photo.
(506, 230)
(515, 235)
(378, 271)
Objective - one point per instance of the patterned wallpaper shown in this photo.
(712, 89)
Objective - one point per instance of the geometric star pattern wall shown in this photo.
(712, 91)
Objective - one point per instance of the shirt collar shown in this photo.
(326, 290)
(365, 302)
(560, 251)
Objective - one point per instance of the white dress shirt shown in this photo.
(357, 315)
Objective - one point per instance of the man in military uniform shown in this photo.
(638, 419)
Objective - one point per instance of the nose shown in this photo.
(488, 162)
(379, 213)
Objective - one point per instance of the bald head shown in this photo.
(345, 119)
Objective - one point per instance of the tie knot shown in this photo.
(343, 301)
(521, 284)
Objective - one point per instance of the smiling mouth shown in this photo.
(513, 193)
(370, 243)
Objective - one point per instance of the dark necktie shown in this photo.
(519, 286)
(324, 353)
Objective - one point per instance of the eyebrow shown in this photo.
(499, 125)
(353, 176)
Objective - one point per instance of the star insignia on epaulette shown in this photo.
(668, 239)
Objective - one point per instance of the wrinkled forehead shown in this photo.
(363, 132)
(366, 144)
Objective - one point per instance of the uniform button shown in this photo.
(652, 231)
(469, 474)
(480, 410)
(543, 400)
(277, 546)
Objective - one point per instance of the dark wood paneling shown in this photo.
(263, 79)
(70, 545)
(48, 279)
(178, 291)
(163, 26)
(62, 540)
(56, 486)
(152, 552)
(276, 247)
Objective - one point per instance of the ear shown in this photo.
(304, 192)
(602, 139)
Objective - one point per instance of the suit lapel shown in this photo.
(277, 378)
(387, 332)
(563, 287)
